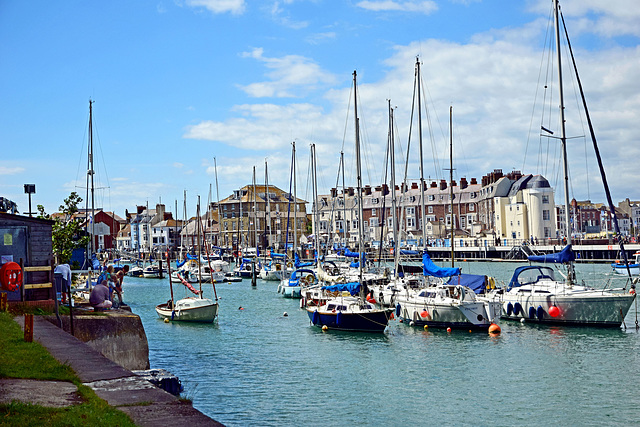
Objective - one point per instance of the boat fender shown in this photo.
(315, 319)
(554, 311)
(532, 312)
(289, 264)
(339, 319)
(517, 309)
(509, 309)
(540, 313)
(302, 302)
(398, 310)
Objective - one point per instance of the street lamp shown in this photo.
(29, 189)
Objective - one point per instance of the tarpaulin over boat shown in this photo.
(350, 254)
(299, 264)
(475, 282)
(430, 269)
(564, 256)
(275, 255)
(352, 287)
(408, 252)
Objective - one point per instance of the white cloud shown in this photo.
(426, 7)
(290, 76)
(4, 170)
(235, 7)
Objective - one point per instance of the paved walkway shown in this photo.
(146, 404)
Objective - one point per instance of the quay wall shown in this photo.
(117, 335)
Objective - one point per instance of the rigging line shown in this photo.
(524, 160)
(434, 149)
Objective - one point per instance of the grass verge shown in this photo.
(31, 360)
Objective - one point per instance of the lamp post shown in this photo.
(29, 189)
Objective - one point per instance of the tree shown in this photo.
(67, 232)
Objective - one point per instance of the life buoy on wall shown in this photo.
(10, 276)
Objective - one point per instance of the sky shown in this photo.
(175, 84)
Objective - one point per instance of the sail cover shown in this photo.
(352, 287)
(564, 256)
(475, 282)
(430, 269)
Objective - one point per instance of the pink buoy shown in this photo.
(554, 311)
(494, 329)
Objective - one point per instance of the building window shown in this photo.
(411, 211)
(373, 222)
(430, 209)
(411, 222)
(471, 207)
(545, 215)
(545, 198)
(373, 212)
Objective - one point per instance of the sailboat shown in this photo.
(353, 312)
(536, 293)
(438, 303)
(192, 308)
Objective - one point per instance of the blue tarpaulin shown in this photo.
(430, 269)
(352, 287)
(564, 256)
(299, 264)
(475, 282)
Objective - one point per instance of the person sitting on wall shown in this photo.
(100, 297)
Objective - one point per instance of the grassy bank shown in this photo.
(30, 360)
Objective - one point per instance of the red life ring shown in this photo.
(10, 276)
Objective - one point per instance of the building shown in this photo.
(254, 216)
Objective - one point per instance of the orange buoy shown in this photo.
(554, 311)
(392, 316)
(494, 329)
(424, 313)
(632, 291)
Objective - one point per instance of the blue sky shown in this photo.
(177, 83)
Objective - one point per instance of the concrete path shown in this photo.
(146, 404)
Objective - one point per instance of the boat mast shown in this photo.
(563, 137)
(314, 184)
(394, 218)
(295, 205)
(255, 213)
(359, 179)
(344, 203)
(215, 171)
(422, 206)
(451, 183)
(199, 246)
(267, 222)
(90, 183)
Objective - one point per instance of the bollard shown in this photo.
(28, 327)
(4, 305)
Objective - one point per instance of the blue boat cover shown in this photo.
(352, 287)
(408, 252)
(564, 256)
(299, 264)
(350, 254)
(275, 255)
(430, 269)
(475, 282)
(355, 264)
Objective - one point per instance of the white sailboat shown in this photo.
(537, 293)
(439, 303)
(191, 308)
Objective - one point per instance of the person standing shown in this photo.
(118, 283)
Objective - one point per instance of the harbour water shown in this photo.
(255, 366)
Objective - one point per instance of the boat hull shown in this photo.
(374, 321)
(200, 310)
(476, 315)
(602, 309)
(634, 269)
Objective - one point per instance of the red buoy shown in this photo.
(424, 313)
(449, 330)
(554, 311)
(494, 329)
